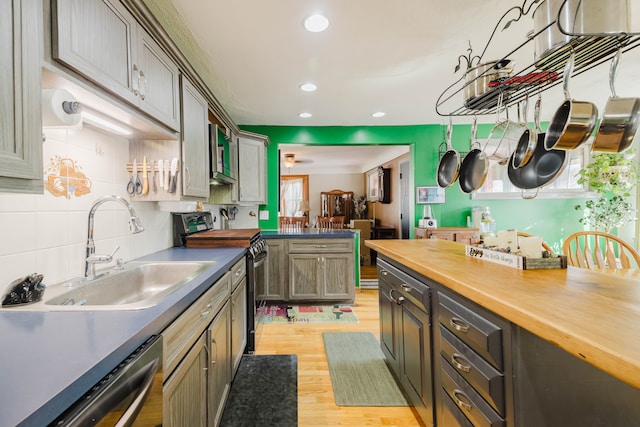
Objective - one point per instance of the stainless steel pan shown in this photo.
(573, 121)
(620, 119)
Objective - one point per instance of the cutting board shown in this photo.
(238, 238)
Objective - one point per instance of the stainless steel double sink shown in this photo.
(137, 285)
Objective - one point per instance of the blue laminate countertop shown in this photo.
(315, 233)
(50, 359)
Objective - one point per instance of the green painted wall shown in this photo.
(551, 218)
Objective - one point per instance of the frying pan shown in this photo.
(527, 142)
(543, 167)
(573, 121)
(620, 119)
(475, 165)
(449, 165)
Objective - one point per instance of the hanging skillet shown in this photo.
(475, 165)
(449, 165)
(543, 167)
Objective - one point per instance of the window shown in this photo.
(498, 186)
(294, 189)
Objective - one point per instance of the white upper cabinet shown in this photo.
(101, 40)
(195, 142)
(20, 103)
(252, 168)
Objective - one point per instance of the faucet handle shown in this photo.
(100, 259)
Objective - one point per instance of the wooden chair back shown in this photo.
(597, 249)
(330, 222)
(292, 222)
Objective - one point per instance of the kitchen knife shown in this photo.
(174, 169)
(167, 177)
(145, 177)
(153, 169)
(161, 172)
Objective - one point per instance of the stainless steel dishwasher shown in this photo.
(130, 395)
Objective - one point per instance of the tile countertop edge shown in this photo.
(67, 359)
(566, 307)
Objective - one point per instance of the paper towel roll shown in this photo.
(59, 108)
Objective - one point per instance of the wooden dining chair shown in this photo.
(292, 222)
(330, 222)
(597, 249)
(545, 245)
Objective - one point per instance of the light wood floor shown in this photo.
(316, 405)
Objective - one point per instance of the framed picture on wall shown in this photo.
(372, 185)
(429, 195)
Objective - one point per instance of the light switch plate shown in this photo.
(264, 215)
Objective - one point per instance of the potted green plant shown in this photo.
(612, 176)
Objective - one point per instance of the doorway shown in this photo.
(405, 198)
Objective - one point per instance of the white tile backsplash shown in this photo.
(47, 234)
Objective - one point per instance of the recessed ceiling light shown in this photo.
(305, 115)
(316, 23)
(308, 87)
(378, 114)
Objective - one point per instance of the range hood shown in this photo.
(223, 157)
(218, 178)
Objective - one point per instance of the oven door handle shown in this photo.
(260, 259)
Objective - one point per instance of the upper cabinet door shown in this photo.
(252, 168)
(96, 38)
(20, 103)
(195, 142)
(158, 82)
(101, 40)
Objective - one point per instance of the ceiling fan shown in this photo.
(289, 160)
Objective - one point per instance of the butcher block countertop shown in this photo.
(594, 315)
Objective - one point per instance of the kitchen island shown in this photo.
(50, 358)
(564, 321)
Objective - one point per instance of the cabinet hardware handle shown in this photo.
(405, 287)
(188, 174)
(143, 85)
(135, 80)
(457, 360)
(457, 394)
(206, 312)
(384, 272)
(321, 246)
(399, 300)
(459, 324)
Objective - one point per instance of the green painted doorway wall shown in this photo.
(551, 218)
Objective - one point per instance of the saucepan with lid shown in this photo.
(620, 119)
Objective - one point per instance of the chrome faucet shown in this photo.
(92, 259)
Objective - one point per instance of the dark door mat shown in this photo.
(264, 393)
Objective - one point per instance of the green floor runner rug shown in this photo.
(359, 374)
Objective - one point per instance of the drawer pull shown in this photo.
(459, 324)
(405, 287)
(399, 300)
(321, 246)
(464, 403)
(206, 312)
(384, 272)
(457, 359)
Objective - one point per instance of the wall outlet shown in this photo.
(264, 215)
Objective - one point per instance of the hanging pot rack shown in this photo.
(589, 50)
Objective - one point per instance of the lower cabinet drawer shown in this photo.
(451, 415)
(486, 380)
(470, 403)
(478, 332)
(320, 245)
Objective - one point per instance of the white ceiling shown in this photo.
(377, 55)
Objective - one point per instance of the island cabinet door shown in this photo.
(388, 325)
(338, 276)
